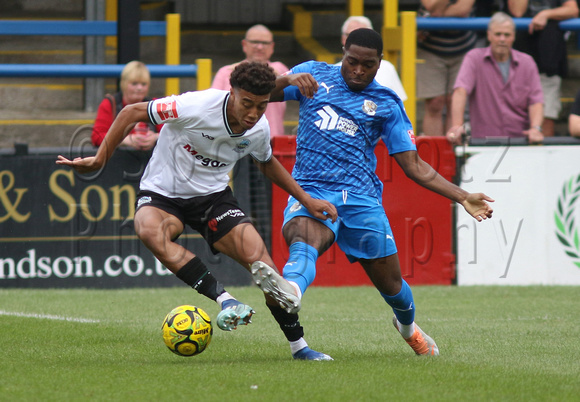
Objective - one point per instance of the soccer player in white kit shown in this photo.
(186, 182)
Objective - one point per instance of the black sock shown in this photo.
(196, 275)
(289, 323)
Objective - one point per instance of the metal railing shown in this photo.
(170, 28)
(405, 37)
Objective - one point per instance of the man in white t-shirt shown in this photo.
(186, 180)
(387, 75)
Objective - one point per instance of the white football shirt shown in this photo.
(196, 148)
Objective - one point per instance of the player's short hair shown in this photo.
(134, 71)
(256, 78)
(365, 37)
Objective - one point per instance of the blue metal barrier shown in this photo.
(480, 24)
(76, 28)
(91, 70)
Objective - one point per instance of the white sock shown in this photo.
(223, 297)
(300, 344)
(406, 331)
(298, 291)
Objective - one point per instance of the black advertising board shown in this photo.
(61, 229)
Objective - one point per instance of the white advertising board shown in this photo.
(534, 235)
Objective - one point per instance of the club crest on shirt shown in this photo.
(242, 145)
(369, 107)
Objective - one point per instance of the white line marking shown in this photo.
(48, 317)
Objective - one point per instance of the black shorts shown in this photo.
(213, 216)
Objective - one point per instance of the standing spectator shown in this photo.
(544, 41)
(258, 45)
(387, 75)
(443, 52)
(135, 81)
(503, 86)
(574, 118)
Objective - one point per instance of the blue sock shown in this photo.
(301, 265)
(402, 304)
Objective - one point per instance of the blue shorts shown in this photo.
(362, 229)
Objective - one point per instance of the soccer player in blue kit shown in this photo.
(343, 114)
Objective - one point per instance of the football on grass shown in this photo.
(187, 330)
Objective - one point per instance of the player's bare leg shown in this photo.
(245, 245)
(157, 229)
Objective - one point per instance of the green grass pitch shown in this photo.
(496, 343)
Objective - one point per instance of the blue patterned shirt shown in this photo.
(339, 129)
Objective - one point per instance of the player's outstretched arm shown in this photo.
(274, 171)
(305, 82)
(476, 204)
(117, 132)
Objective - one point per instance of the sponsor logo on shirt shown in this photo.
(209, 137)
(330, 120)
(205, 161)
(167, 110)
(411, 136)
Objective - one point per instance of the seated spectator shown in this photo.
(387, 75)
(544, 41)
(258, 45)
(135, 81)
(503, 86)
(443, 52)
(574, 118)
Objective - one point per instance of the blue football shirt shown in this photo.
(339, 129)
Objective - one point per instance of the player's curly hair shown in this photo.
(256, 78)
(365, 37)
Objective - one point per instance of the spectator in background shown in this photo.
(258, 45)
(574, 118)
(443, 52)
(545, 42)
(503, 86)
(135, 81)
(387, 75)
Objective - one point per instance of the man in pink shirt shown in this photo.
(258, 45)
(503, 85)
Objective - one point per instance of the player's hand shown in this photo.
(322, 209)
(476, 205)
(305, 82)
(81, 165)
